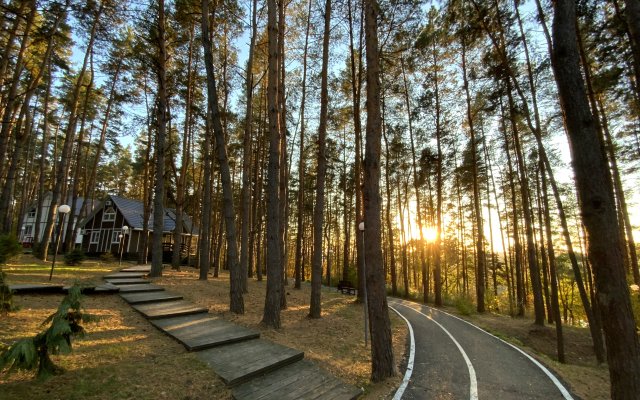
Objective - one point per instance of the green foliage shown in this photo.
(34, 353)
(107, 257)
(74, 257)
(9, 247)
(36, 250)
(6, 295)
(464, 305)
(635, 302)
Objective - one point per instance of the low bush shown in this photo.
(464, 305)
(74, 257)
(6, 295)
(107, 257)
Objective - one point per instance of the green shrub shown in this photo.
(9, 247)
(74, 257)
(6, 295)
(34, 353)
(464, 305)
(107, 257)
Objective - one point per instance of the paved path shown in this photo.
(457, 360)
(255, 368)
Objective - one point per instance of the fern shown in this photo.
(63, 325)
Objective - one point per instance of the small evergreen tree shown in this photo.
(74, 257)
(9, 247)
(34, 353)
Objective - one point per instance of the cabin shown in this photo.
(28, 221)
(102, 230)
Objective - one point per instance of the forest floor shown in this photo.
(123, 356)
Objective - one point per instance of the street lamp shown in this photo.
(125, 230)
(64, 210)
(364, 286)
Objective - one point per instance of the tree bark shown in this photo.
(162, 119)
(595, 194)
(480, 264)
(246, 149)
(382, 363)
(318, 210)
(236, 304)
(271, 315)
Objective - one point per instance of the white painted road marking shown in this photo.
(473, 382)
(412, 355)
(563, 390)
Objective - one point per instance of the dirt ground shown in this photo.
(123, 356)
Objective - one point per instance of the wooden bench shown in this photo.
(346, 287)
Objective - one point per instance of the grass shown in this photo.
(123, 356)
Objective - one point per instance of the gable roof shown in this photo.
(133, 213)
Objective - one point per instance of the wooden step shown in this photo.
(127, 281)
(150, 297)
(203, 331)
(140, 288)
(300, 380)
(20, 288)
(125, 275)
(106, 288)
(137, 268)
(167, 309)
(238, 362)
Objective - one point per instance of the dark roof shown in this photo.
(132, 210)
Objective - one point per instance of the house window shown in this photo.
(109, 215)
(31, 214)
(95, 237)
(28, 230)
(114, 236)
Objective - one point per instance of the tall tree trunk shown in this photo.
(70, 235)
(416, 187)
(246, 149)
(437, 251)
(355, 65)
(181, 181)
(44, 153)
(480, 265)
(598, 208)
(392, 257)
(162, 119)
(534, 269)
(555, 306)
(382, 364)
(236, 304)
(284, 170)
(301, 157)
(318, 210)
(271, 315)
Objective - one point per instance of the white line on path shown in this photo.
(412, 355)
(563, 390)
(473, 382)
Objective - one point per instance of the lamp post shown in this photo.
(125, 230)
(364, 287)
(64, 210)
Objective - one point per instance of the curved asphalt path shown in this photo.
(457, 360)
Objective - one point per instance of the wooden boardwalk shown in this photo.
(202, 331)
(255, 368)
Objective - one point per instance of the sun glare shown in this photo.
(430, 233)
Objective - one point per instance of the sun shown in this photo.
(430, 233)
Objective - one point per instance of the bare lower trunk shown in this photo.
(595, 193)
(382, 363)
